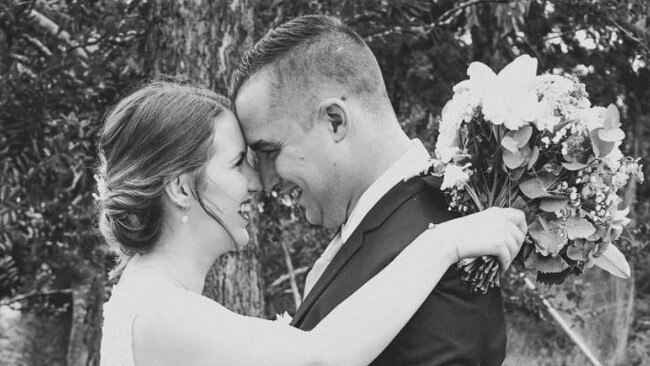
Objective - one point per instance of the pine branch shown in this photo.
(39, 46)
(285, 277)
(46, 24)
(631, 36)
(443, 19)
(28, 295)
(292, 275)
(450, 12)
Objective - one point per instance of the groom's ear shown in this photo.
(336, 113)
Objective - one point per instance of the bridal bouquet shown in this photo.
(534, 142)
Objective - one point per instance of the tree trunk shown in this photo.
(204, 41)
(85, 334)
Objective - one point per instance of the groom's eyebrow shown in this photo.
(263, 145)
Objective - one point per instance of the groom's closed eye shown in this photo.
(265, 147)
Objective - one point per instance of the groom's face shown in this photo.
(291, 151)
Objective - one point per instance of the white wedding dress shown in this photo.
(129, 297)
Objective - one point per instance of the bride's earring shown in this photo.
(185, 219)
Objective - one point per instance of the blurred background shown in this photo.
(64, 62)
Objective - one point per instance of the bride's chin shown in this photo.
(241, 238)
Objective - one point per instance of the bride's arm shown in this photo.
(354, 333)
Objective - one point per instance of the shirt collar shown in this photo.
(409, 162)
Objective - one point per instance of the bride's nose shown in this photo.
(254, 184)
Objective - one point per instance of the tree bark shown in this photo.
(85, 333)
(201, 39)
(204, 41)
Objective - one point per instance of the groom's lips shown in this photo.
(295, 193)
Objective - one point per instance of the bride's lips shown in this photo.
(245, 209)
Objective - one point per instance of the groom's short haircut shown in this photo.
(309, 51)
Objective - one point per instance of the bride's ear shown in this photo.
(179, 190)
(337, 115)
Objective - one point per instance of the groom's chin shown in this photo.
(312, 216)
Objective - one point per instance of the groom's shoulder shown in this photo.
(428, 203)
(420, 203)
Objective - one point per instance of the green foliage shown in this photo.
(51, 103)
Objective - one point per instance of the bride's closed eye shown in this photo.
(240, 161)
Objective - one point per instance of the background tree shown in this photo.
(204, 40)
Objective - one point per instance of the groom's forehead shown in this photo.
(261, 105)
(255, 99)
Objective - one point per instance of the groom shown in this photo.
(313, 105)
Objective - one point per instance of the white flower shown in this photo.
(553, 86)
(454, 113)
(446, 154)
(432, 166)
(458, 110)
(283, 318)
(547, 121)
(619, 180)
(593, 117)
(561, 98)
(102, 189)
(456, 176)
(506, 98)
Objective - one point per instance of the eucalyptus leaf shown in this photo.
(601, 147)
(578, 227)
(536, 187)
(574, 166)
(546, 264)
(533, 157)
(553, 204)
(522, 135)
(580, 250)
(547, 242)
(509, 143)
(513, 160)
(516, 174)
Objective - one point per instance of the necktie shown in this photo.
(322, 262)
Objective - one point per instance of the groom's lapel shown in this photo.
(375, 217)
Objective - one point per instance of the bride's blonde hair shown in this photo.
(162, 130)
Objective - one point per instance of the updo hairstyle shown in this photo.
(162, 130)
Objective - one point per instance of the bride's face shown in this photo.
(229, 182)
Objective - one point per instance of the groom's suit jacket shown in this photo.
(453, 326)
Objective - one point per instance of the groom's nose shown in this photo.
(268, 175)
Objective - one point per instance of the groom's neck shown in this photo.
(376, 154)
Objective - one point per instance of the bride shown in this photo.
(175, 190)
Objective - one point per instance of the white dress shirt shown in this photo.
(407, 165)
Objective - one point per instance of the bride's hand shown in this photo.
(499, 232)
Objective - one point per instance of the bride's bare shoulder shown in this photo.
(179, 324)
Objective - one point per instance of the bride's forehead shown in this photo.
(228, 133)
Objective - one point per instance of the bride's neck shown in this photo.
(181, 258)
